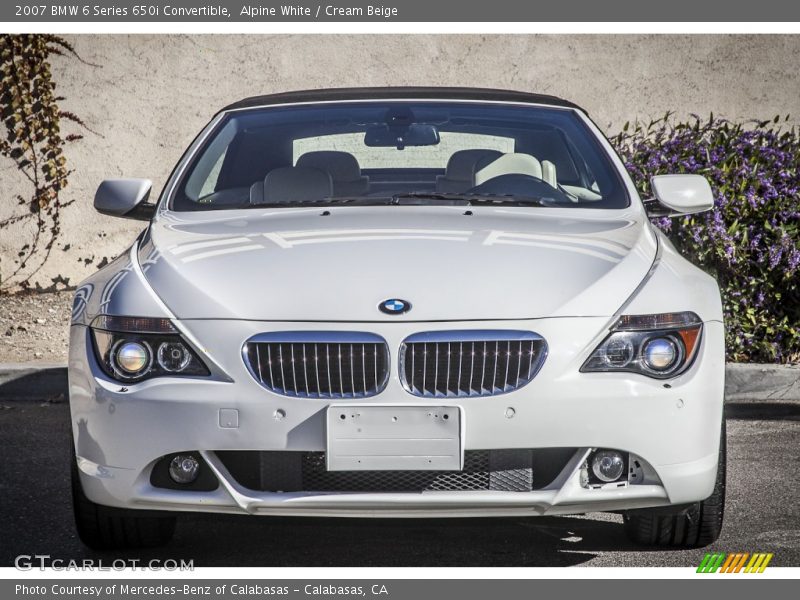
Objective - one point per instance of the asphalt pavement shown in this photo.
(763, 513)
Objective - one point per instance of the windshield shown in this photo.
(385, 152)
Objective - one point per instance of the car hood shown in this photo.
(311, 264)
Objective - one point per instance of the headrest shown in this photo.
(461, 164)
(342, 166)
(296, 184)
(513, 162)
(551, 146)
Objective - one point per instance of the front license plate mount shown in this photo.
(393, 438)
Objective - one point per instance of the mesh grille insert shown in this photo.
(497, 470)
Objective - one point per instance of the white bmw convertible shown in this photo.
(399, 302)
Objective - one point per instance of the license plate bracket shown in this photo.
(394, 438)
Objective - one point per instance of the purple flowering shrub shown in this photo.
(750, 241)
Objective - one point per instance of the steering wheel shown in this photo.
(518, 184)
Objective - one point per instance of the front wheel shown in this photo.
(107, 528)
(695, 527)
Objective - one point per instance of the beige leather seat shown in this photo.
(292, 184)
(549, 173)
(343, 168)
(458, 176)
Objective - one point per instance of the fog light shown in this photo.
(608, 465)
(184, 468)
(131, 357)
(660, 354)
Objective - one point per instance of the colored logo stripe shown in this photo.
(758, 563)
(726, 568)
(711, 562)
(704, 563)
(735, 562)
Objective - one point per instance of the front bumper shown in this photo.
(121, 431)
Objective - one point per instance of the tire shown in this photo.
(694, 527)
(106, 528)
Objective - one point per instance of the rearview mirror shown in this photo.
(387, 136)
(125, 198)
(679, 195)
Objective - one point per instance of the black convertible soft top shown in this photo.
(399, 93)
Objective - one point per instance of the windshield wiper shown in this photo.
(467, 199)
(416, 199)
(348, 200)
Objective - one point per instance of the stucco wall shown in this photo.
(152, 94)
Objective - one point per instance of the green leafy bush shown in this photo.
(750, 241)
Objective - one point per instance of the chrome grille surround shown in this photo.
(319, 364)
(470, 363)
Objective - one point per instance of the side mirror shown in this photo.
(125, 198)
(679, 195)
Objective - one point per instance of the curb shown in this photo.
(33, 381)
(762, 383)
(744, 383)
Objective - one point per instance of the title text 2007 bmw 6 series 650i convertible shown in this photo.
(399, 302)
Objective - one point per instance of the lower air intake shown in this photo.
(494, 470)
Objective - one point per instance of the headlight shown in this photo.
(131, 357)
(659, 346)
(132, 349)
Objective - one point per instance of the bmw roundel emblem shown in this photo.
(394, 306)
